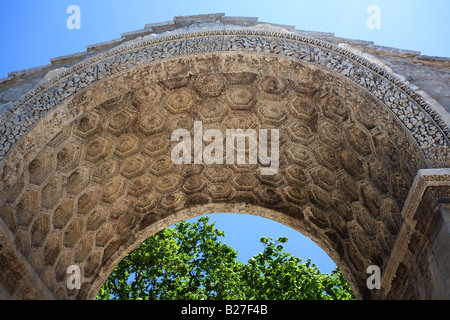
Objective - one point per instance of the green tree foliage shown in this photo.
(189, 262)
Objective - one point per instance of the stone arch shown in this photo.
(87, 173)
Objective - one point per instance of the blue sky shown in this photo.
(33, 32)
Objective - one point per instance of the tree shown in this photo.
(275, 275)
(189, 262)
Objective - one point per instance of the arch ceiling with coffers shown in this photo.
(87, 173)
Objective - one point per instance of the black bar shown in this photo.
(221, 309)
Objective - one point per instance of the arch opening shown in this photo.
(249, 228)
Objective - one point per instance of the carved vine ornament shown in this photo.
(426, 127)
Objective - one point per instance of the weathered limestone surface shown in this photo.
(430, 74)
(419, 262)
(85, 143)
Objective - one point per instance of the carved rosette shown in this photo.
(421, 120)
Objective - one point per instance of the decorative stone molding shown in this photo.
(420, 207)
(427, 127)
